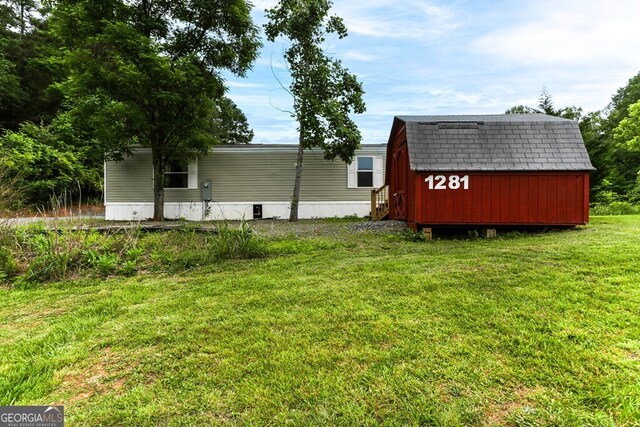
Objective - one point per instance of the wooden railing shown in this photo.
(380, 203)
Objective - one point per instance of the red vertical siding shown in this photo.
(514, 198)
(585, 198)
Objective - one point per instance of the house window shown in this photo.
(176, 175)
(365, 171)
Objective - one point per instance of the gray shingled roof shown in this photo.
(508, 142)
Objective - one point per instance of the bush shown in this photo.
(615, 208)
(240, 243)
(43, 165)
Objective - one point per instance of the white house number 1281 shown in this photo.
(454, 182)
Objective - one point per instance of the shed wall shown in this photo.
(525, 198)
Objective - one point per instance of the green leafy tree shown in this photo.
(627, 135)
(545, 106)
(599, 149)
(618, 108)
(229, 125)
(26, 47)
(522, 109)
(43, 166)
(11, 94)
(17, 15)
(147, 73)
(324, 92)
(628, 131)
(546, 103)
(624, 160)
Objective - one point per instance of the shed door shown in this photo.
(399, 196)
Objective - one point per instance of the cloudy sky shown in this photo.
(457, 57)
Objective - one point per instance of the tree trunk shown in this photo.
(293, 216)
(158, 187)
(22, 23)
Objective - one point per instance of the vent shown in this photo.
(257, 211)
(459, 125)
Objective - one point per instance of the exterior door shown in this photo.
(399, 196)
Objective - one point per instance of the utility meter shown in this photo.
(205, 190)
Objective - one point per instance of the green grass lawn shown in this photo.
(346, 329)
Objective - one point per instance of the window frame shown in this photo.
(184, 173)
(362, 170)
(377, 172)
(192, 176)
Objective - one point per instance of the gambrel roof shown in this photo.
(505, 142)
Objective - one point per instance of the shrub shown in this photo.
(615, 208)
(37, 158)
(240, 243)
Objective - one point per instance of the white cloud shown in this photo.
(244, 84)
(403, 19)
(550, 33)
(359, 56)
(264, 4)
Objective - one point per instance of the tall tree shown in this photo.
(625, 161)
(598, 147)
(545, 106)
(229, 124)
(25, 46)
(324, 92)
(11, 94)
(146, 72)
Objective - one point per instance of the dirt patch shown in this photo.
(327, 227)
(498, 412)
(105, 376)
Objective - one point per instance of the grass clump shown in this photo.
(8, 266)
(237, 243)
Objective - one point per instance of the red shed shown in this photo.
(487, 170)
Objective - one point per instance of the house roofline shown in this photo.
(248, 148)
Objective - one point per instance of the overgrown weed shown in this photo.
(37, 254)
(237, 243)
